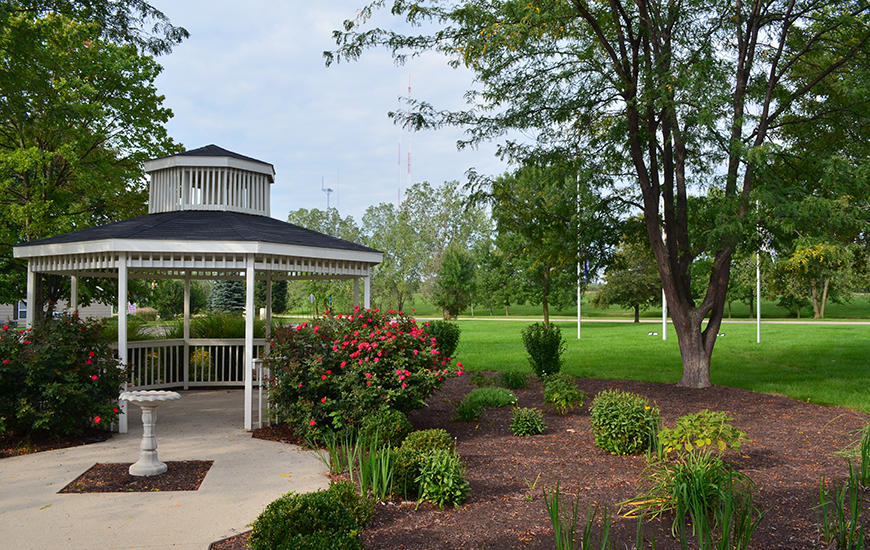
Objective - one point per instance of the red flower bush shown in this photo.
(331, 373)
(57, 379)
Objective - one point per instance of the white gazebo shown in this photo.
(208, 218)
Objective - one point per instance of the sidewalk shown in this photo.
(247, 474)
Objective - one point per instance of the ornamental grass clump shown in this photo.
(475, 402)
(623, 423)
(545, 347)
(527, 421)
(562, 393)
(332, 372)
(57, 379)
(326, 519)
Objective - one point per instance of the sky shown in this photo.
(252, 79)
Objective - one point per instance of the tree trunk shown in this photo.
(815, 301)
(636, 313)
(545, 305)
(507, 310)
(751, 307)
(729, 309)
(696, 357)
(824, 298)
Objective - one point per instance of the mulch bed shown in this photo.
(12, 446)
(182, 475)
(793, 444)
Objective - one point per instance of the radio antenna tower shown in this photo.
(327, 190)
(407, 136)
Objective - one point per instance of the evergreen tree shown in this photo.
(227, 296)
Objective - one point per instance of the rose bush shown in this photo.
(330, 373)
(58, 378)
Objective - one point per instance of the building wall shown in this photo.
(95, 310)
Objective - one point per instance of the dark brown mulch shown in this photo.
(793, 444)
(182, 475)
(13, 446)
(279, 432)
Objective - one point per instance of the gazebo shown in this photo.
(208, 218)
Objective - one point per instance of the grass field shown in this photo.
(825, 364)
(857, 308)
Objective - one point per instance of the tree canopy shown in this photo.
(674, 100)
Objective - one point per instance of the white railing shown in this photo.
(200, 362)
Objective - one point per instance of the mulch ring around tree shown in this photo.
(12, 446)
(182, 475)
(792, 445)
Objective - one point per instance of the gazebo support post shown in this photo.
(268, 327)
(74, 294)
(356, 291)
(367, 292)
(249, 337)
(186, 329)
(31, 295)
(122, 334)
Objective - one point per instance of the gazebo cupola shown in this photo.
(209, 178)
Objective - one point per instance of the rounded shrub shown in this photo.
(446, 336)
(442, 479)
(562, 393)
(413, 452)
(388, 425)
(475, 402)
(527, 421)
(331, 518)
(545, 347)
(623, 423)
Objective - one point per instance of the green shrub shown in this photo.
(623, 423)
(59, 378)
(410, 456)
(331, 518)
(147, 314)
(514, 380)
(442, 479)
(446, 336)
(700, 431)
(333, 372)
(527, 421)
(561, 392)
(475, 402)
(388, 425)
(545, 347)
(482, 380)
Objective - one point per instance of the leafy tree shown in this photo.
(227, 297)
(279, 295)
(496, 279)
(168, 298)
(813, 272)
(454, 284)
(134, 22)
(78, 116)
(333, 294)
(632, 279)
(546, 227)
(668, 98)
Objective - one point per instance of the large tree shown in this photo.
(671, 96)
(78, 116)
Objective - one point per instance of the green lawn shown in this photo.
(826, 364)
(857, 308)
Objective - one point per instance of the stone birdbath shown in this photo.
(148, 400)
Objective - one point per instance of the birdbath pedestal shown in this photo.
(148, 400)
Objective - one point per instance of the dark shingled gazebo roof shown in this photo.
(205, 225)
(213, 150)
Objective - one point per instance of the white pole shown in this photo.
(31, 295)
(122, 333)
(249, 338)
(186, 329)
(367, 292)
(757, 290)
(74, 293)
(268, 327)
(356, 292)
(578, 300)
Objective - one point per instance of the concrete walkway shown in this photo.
(247, 474)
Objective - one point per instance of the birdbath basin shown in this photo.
(148, 400)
